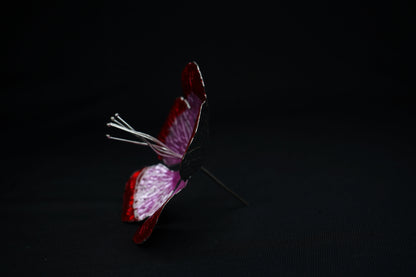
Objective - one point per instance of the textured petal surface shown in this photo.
(146, 194)
(153, 188)
(182, 129)
(179, 106)
(182, 120)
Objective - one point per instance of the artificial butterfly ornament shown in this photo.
(181, 146)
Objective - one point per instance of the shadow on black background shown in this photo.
(311, 119)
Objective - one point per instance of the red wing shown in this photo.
(192, 81)
(182, 121)
(127, 212)
(146, 229)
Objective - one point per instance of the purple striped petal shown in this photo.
(154, 186)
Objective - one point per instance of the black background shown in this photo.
(312, 121)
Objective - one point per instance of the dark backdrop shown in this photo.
(311, 121)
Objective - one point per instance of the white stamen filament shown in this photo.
(124, 122)
(156, 145)
(118, 122)
(126, 140)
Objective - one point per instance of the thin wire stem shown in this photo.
(224, 186)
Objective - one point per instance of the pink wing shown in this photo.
(147, 192)
(181, 123)
(146, 229)
(149, 189)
